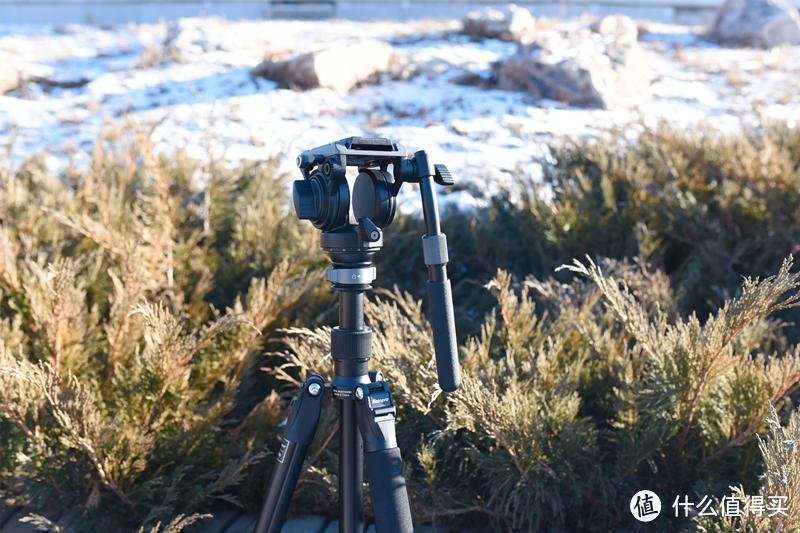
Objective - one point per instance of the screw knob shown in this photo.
(369, 231)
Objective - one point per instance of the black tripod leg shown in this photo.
(300, 428)
(351, 471)
(376, 415)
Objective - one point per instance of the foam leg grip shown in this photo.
(444, 334)
(387, 485)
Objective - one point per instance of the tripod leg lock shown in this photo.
(304, 411)
(376, 414)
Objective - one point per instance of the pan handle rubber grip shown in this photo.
(440, 305)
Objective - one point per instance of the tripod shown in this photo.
(366, 408)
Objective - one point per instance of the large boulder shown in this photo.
(618, 28)
(759, 23)
(594, 75)
(339, 67)
(510, 23)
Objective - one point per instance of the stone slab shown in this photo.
(220, 522)
(6, 512)
(306, 524)
(13, 525)
(243, 524)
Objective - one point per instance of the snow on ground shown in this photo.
(198, 92)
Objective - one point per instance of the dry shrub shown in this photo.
(573, 396)
(704, 207)
(134, 301)
(136, 298)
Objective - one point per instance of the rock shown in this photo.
(9, 76)
(510, 23)
(472, 79)
(758, 23)
(618, 28)
(339, 67)
(48, 83)
(593, 76)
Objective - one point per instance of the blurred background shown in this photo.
(483, 87)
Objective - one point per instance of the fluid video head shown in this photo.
(325, 198)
